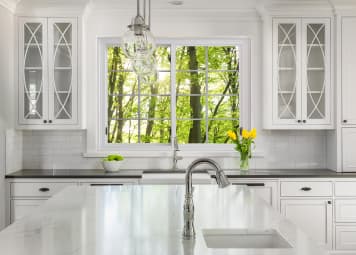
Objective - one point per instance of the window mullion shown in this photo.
(206, 95)
(173, 93)
(139, 109)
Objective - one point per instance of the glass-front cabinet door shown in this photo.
(48, 87)
(62, 56)
(286, 73)
(301, 73)
(33, 96)
(316, 71)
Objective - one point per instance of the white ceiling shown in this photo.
(187, 4)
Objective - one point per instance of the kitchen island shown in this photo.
(144, 220)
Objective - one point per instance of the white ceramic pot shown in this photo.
(112, 166)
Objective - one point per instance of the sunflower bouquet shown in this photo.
(243, 142)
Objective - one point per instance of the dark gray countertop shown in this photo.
(253, 173)
(71, 173)
(287, 173)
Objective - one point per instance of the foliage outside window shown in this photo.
(205, 91)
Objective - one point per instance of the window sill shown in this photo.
(164, 154)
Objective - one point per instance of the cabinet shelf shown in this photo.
(286, 45)
(286, 68)
(33, 68)
(62, 44)
(315, 69)
(316, 92)
(63, 68)
(286, 92)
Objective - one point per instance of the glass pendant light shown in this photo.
(138, 42)
(145, 66)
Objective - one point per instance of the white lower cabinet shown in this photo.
(26, 195)
(313, 216)
(22, 207)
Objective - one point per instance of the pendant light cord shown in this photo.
(138, 7)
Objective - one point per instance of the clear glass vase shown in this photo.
(244, 162)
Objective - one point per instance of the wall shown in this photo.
(275, 149)
(6, 94)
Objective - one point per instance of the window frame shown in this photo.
(244, 45)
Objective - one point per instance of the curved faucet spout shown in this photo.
(222, 181)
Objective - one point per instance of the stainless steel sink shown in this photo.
(244, 239)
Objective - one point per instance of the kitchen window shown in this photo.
(197, 96)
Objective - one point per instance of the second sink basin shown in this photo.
(244, 239)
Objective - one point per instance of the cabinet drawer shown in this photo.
(345, 189)
(306, 189)
(39, 189)
(345, 237)
(345, 210)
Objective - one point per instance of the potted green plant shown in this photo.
(112, 163)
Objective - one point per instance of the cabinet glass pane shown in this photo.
(287, 71)
(62, 55)
(33, 105)
(315, 71)
(63, 105)
(33, 73)
(33, 33)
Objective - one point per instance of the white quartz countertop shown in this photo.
(144, 220)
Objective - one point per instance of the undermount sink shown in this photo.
(244, 239)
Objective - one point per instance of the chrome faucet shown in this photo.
(175, 157)
(188, 210)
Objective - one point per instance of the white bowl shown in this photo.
(112, 166)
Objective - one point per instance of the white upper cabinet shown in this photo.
(348, 67)
(48, 86)
(301, 74)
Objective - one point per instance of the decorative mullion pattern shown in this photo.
(27, 92)
(286, 38)
(66, 43)
(316, 39)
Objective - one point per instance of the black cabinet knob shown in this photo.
(45, 121)
(345, 121)
(306, 189)
(299, 121)
(304, 121)
(50, 121)
(43, 189)
(329, 202)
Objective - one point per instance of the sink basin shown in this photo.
(244, 239)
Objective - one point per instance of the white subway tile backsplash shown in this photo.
(280, 149)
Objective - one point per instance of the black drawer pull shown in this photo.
(44, 189)
(250, 184)
(306, 189)
(106, 184)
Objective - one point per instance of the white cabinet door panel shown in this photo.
(314, 217)
(348, 67)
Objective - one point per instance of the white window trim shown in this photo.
(159, 150)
